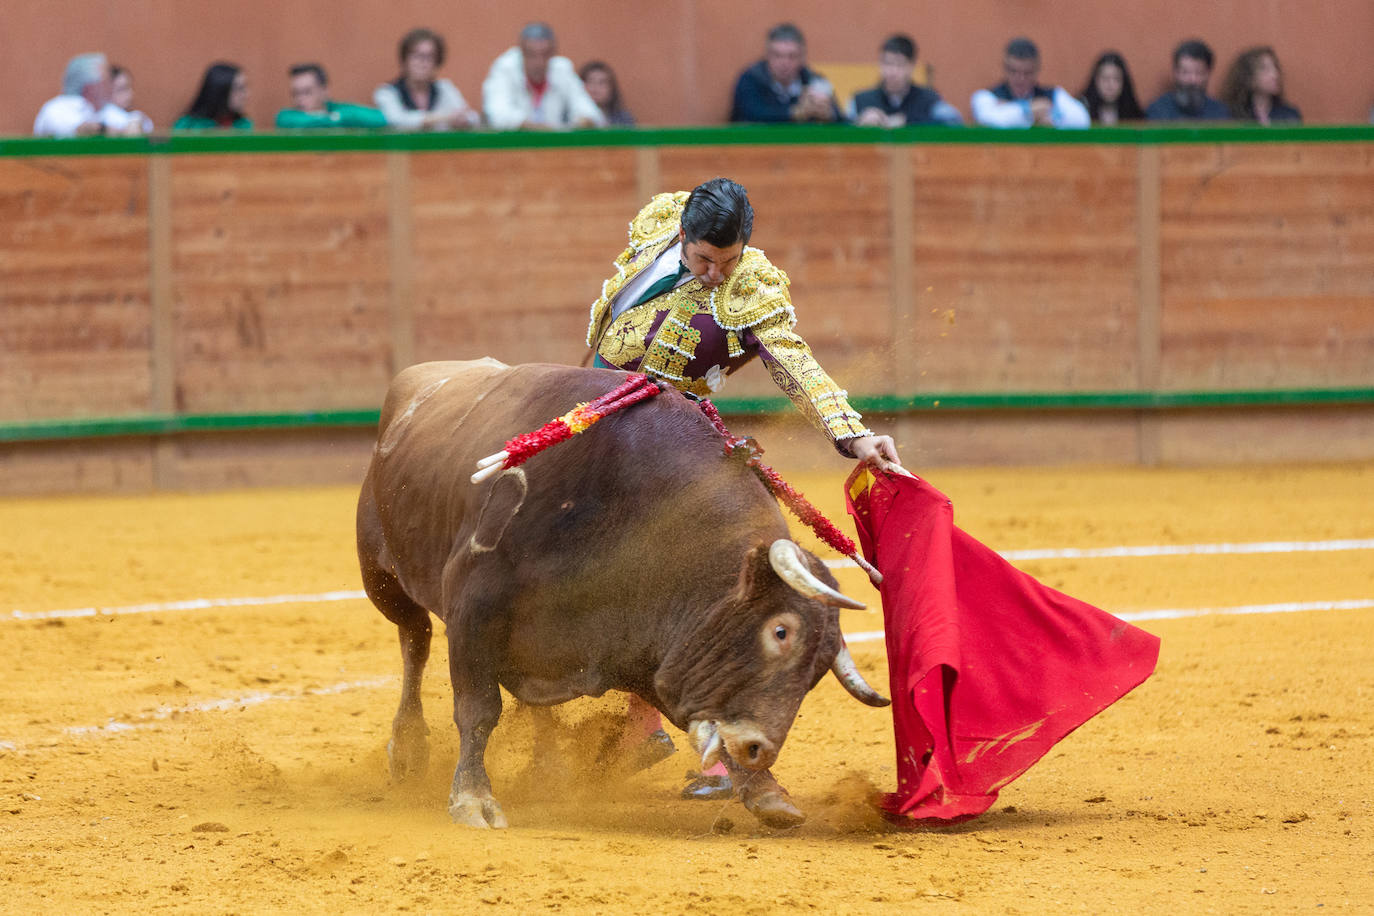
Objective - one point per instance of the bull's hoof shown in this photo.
(774, 807)
(708, 788)
(408, 755)
(657, 746)
(476, 811)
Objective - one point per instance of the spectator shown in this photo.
(896, 100)
(311, 105)
(601, 84)
(1020, 101)
(1188, 99)
(119, 113)
(530, 88)
(1110, 93)
(1253, 89)
(781, 87)
(419, 99)
(78, 111)
(220, 101)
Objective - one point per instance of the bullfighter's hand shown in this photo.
(878, 452)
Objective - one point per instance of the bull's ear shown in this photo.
(755, 573)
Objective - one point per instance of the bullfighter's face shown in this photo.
(712, 266)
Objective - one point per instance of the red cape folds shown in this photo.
(989, 668)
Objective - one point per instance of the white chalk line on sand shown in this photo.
(162, 713)
(1166, 550)
(153, 717)
(1287, 607)
(1162, 550)
(192, 604)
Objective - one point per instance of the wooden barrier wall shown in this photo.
(299, 281)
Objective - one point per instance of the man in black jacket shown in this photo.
(897, 101)
(781, 88)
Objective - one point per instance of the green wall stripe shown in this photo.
(153, 425)
(337, 141)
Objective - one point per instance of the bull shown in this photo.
(638, 557)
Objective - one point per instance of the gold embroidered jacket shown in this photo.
(693, 337)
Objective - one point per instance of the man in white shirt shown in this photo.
(78, 111)
(530, 88)
(1019, 101)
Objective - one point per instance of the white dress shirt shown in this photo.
(666, 263)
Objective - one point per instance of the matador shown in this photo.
(690, 303)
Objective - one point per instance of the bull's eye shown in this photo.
(781, 633)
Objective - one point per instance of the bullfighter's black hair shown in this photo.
(718, 212)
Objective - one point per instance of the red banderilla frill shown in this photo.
(525, 446)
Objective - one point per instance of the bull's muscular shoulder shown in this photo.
(755, 292)
(658, 220)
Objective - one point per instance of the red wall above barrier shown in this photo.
(677, 59)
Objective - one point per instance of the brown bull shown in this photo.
(634, 557)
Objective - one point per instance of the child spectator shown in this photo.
(1020, 101)
(897, 101)
(220, 101)
(1188, 99)
(311, 105)
(119, 113)
(1253, 89)
(601, 84)
(529, 87)
(781, 87)
(1110, 92)
(419, 99)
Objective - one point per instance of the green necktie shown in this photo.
(662, 286)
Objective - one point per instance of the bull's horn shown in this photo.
(848, 675)
(786, 559)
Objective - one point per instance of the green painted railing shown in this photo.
(334, 141)
(172, 424)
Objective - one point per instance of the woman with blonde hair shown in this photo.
(1253, 89)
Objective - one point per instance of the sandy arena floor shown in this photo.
(231, 759)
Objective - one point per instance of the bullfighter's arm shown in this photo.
(812, 390)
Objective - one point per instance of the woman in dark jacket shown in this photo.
(1253, 89)
(1110, 93)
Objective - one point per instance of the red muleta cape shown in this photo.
(989, 668)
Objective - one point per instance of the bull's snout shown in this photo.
(747, 745)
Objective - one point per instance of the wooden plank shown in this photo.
(511, 248)
(281, 276)
(1267, 260)
(74, 299)
(77, 466)
(648, 175)
(1148, 307)
(821, 214)
(400, 240)
(905, 295)
(163, 355)
(1028, 267)
(1268, 435)
(274, 459)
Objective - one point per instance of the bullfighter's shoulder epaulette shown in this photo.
(755, 292)
(658, 221)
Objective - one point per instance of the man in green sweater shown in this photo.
(312, 107)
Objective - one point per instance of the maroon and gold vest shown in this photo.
(693, 337)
